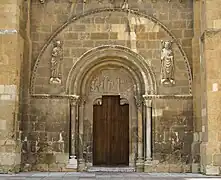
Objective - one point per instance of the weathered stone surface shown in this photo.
(179, 123)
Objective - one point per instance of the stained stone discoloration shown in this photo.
(39, 126)
(91, 34)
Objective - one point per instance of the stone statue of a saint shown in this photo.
(167, 63)
(56, 63)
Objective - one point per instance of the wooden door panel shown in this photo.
(114, 127)
(111, 132)
(99, 142)
(124, 134)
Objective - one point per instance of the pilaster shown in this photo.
(11, 60)
(211, 83)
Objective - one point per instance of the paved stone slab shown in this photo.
(105, 176)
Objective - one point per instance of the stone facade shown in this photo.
(59, 57)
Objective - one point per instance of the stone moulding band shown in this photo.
(49, 96)
(100, 10)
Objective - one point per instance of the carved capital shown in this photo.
(147, 101)
(83, 100)
(75, 100)
(139, 101)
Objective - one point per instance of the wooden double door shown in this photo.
(111, 132)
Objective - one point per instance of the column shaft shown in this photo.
(148, 130)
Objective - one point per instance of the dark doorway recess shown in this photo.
(111, 132)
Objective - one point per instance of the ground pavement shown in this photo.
(104, 176)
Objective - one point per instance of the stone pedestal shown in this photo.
(81, 165)
(148, 164)
(140, 165)
(72, 163)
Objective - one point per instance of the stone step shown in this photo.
(111, 169)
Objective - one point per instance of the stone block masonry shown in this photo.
(35, 117)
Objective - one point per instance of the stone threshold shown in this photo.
(111, 169)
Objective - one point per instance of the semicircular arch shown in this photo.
(100, 10)
(111, 64)
(134, 64)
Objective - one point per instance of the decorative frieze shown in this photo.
(125, 4)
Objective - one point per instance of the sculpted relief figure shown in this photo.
(56, 63)
(167, 63)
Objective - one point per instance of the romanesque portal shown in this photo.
(127, 72)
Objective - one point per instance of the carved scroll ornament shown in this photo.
(56, 59)
(167, 63)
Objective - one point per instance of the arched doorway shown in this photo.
(108, 77)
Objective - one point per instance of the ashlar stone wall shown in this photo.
(11, 59)
(81, 27)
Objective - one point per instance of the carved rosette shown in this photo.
(56, 59)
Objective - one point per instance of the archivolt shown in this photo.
(95, 11)
(120, 56)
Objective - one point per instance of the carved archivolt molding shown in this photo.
(95, 11)
(142, 74)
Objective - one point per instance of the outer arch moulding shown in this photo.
(141, 64)
(114, 9)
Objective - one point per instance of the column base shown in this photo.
(212, 170)
(72, 163)
(148, 165)
(81, 165)
(195, 168)
(140, 165)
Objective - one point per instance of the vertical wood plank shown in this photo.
(111, 133)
